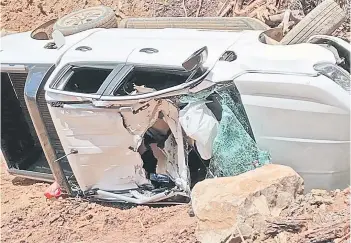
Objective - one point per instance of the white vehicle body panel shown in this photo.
(302, 118)
(20, 48)
(108, 141)
(303, 122)
(173, 45)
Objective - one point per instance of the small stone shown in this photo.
(323, 207)
(282, 238)
(191, 212)
(262, 205)
(91, 205)
(89, 216)
(318, 192)
(318, 200)
(284, 199)
(235, 239)
(275, 212)
(245, 229)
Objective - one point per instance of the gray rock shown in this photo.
(222, 203)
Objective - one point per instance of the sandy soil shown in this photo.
(26, 216)
(25, 15)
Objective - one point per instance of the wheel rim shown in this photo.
(83, 17)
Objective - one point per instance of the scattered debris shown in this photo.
(53, 191)
(16, 17)
(329, 231)
(278, 225)
(70, 224)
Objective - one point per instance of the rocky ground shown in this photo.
(24, 15)
(268, 205)
(26, 216)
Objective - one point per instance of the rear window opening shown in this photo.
(19, 142)
(86, 80)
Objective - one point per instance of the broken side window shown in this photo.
(234, 148)
(146, 80)
(151, 79)
(86, 80)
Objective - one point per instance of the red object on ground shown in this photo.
(53, 191)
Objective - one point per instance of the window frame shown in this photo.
(63, 76)
(119, 80)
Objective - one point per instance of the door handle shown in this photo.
(111, 105)
(73, 151)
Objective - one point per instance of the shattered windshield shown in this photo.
(234, 149)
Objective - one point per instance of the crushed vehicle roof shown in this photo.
(21, 48)
(173, 47)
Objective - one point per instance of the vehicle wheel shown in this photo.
(214, 23)
(322, 20)
(84, 19)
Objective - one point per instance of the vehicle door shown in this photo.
(96, 134)
(144, 98)
(104, 114)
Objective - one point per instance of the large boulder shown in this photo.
(222, 205)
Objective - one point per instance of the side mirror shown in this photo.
(59, 38)
(196, 59)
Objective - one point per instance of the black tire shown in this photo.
(214, 23)
(85, 19)
(323, 20)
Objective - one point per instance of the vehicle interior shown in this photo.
(88, 80)
(19, 141)
(154, 80)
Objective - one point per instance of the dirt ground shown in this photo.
(25, 15)
(27, 216)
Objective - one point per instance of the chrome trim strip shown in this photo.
(330, 38)
(13, 68)
(183, 86)
(37, 76)
(315, 74)
(32, 175)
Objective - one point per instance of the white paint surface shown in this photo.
(20, 48)
(303, 121)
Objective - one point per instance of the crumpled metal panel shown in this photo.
(105, 156)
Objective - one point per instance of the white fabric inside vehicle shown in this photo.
(200, 124)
